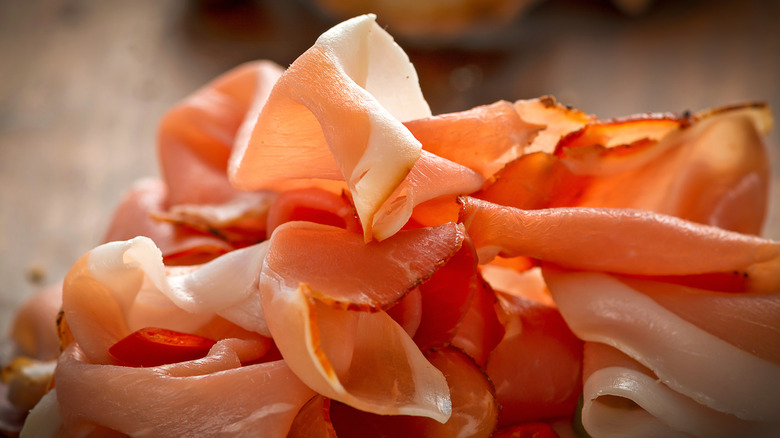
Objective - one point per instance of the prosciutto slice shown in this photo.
(693, 171)
(623, 397)
(137, 215)
(709, 168)
(356, 76)
(196, 137)
(673, 374)
(474, 407)
(336, 113)
(483, 138)
(221, 397)
(307, 297)
(537, 365)
(121, 287)
(195, 140)
(620, 241)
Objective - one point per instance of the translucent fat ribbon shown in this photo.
(684, 377)
(120, 287)
(622, 397)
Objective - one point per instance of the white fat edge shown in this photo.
(388, 158)
(680, 353)
(663, 412)
(248, 314)
(220, 283)
(373, 61)
(134, 268)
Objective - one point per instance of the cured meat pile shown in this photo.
(323, 257)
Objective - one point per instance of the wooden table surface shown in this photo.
(84, 83)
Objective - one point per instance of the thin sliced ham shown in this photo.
(709, 168)
(312, 302)
(335, 352)
(713, 171)
(620, 241)
(474, 407)
(354, 77)
(221, 397)
(305, 252)
(179, 244)
(195, 140)
(120, 287)
(308, 287)
(483, 138)
(537, 366)
(715, 373)
(196, 137)
(623, 397)
(749, 321)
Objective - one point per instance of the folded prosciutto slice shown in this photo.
(193, 213)
(354, 76)
(621, 241)
(673, 360)
(221, 397)
(484, 138)
(474, 407)
(687, 166)
(197, 136)
(312, 301)
(336, 113)
(696, 356)
(138, 215)
(120, 287)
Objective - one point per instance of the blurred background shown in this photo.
(83, 84)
